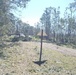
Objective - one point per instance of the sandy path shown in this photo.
(50, 46)
(30, 46)
(64, 50)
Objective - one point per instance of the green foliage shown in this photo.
(15, 39)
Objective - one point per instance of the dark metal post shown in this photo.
(40, 61)
(41, 44)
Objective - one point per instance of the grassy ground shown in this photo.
(19, 60)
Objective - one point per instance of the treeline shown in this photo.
(9, 23)
(60, 30)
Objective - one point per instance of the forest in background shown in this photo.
(60, 30)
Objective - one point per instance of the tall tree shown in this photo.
(45, 20)
(6, 7)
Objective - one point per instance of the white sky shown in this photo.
(35, 8)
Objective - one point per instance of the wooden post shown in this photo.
(41, 45)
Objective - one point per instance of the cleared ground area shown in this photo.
(20, 59)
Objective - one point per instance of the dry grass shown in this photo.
(20, 60)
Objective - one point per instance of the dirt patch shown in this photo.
(64, 50)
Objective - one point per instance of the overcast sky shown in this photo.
(35, 8)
